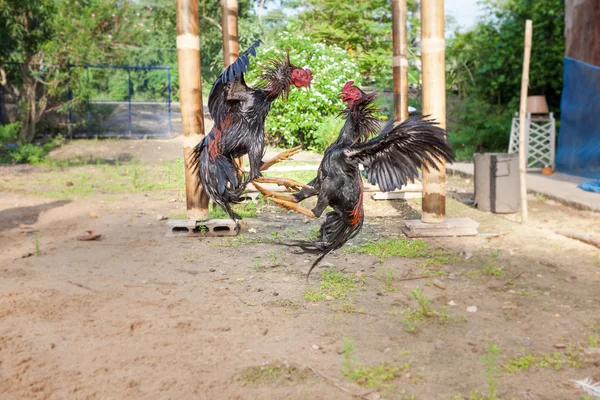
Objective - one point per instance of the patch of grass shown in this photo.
(275, 373)
(489, 267)
(388, 280)
(51, 180)
(334, 284)
(403, 247)
(441, 259)
(491, 370)
(368, 376)
(37, 243)
(242, 240)
(425, 312)
(257, 264)
(386, 248)
(541, 197)
(572, 357)
(300, 176)
(244, 210)
(313, 234)
(349, 308)
(275, 260)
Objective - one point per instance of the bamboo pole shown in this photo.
(523, 121)
(434, 102)
(231, 46)
(190, 95)
(400, 61)
(229, 18)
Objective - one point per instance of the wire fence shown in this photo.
(119, 101)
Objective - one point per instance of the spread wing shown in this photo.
(231, 79)
(391, 158)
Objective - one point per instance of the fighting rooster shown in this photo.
(390, 159)
(239, 113)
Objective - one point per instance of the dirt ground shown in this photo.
(137, 315)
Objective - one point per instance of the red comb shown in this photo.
(347, 86)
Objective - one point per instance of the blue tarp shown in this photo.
(590, 186)
(579, 138)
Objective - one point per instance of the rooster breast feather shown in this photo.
(229, 84)
(392, 157)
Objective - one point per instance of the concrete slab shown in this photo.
(451, 227)
(558, 187)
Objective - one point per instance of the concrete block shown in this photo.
(207, 228)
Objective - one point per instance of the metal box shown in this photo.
(497, 182)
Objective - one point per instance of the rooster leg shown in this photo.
(285, 200)
(288, 183)
(284, 155)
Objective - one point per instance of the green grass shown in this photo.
(386, 248)
(425, 312)
(244, 210)
(37, 244)
(333, 284)
(300, 176)
(489, 267)
(64, 181)
(275, 373)
(492, 372)
(368, 376)
(572, 357)
(402, 247)
(241, 240)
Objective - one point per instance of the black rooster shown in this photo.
(239, 113)
(390, 159)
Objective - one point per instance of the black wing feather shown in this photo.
(391, 158)
(217, 99)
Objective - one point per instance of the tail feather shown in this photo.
(334, 233)
(219, 178)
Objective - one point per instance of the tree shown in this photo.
(46, 38)
(362, 27)
(484, 70)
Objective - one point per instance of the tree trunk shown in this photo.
(32, 108)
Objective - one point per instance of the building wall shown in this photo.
(582, 30)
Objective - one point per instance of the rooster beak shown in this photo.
(307, 87)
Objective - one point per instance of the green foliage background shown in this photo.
(338, 40)
(484, 71)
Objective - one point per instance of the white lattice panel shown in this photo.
(541, 133)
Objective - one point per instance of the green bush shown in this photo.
(14, 152)
(475, 126)
(297, 120)
(326, 133)
(9, 132)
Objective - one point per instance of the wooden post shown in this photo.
(434, 102)
(190, 95)
(231, 46)
(229, 23)
(400, 61)
(523, 121)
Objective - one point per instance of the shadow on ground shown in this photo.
(13, 217)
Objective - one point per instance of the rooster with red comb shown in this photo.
(239, 113)
(390, 159)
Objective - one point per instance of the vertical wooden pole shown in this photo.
(231, 46)
(523, 121)
(229, 23)
(434, 102)
(190, 96)
(400, 61)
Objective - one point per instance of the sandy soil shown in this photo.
(137, 315)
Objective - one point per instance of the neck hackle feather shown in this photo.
(276, 79)
(361, 117)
